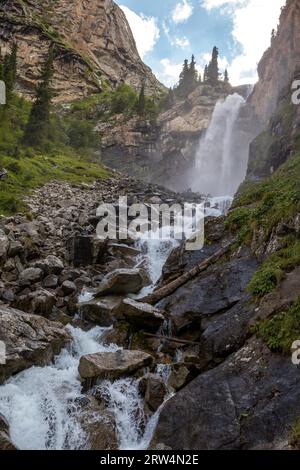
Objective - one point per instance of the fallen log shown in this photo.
(163, 292)
(171, 339)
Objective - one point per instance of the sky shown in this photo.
(168, 31)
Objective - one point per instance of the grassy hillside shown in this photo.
(69, 155)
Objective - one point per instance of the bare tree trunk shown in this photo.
(163, 292)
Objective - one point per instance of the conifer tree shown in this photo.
(205, 75)
(213, 67)
(226, 76)
(38, 126)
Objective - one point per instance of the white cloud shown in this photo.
(253, 22)
(145, 30)
(181, 42)
(182, 12)
(170, 73)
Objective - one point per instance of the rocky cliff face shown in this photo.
(93, 44)
(280, 63)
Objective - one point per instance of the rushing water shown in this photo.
(222, 156)
(40, 403)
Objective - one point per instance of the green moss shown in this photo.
(282, 330)
(274, 268)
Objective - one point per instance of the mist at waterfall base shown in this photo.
(222, 155)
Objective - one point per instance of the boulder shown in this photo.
(40, 302)
(50, 281)
(251, 401)
(4, 245)
(99, 425)
(68, 287)
(179, 377)
(29, 340)
(113, 365)
(213, 292)
(122, 282)
(50, 265)
(100, 311)
(5, 441)
(30, 276)
(154, 391)
(141, 315)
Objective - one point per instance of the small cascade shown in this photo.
(221, 159)
(40, 403)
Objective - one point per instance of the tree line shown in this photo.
(190, 78)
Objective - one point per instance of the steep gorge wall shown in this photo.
(271, 100)
(93, 40)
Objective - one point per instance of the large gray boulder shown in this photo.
(100, 311)
(123, 282)
(141, 315)
(28, 340)
(113, 365)
(251, 401)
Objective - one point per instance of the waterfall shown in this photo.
(221, 159)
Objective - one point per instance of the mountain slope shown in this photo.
(93, 40)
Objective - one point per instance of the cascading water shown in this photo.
(40, 403)
(221, 159)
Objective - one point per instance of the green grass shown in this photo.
(68, 155)
(282, 330)
(39, 169)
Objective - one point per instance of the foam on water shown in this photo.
(40, 403)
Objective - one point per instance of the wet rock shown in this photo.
(29, 339)
(100, 311)
(251, 401)
(5, 440)
(119, 335)
(179, 377)
(30, 276)
(213, 292)
(122, 282)
(154, 391)
(141, 315)
(113, 365)
(99, 426)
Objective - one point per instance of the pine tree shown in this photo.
(226, 76)
(205, 75)
(38, 126)
(193, 74)
(9, 72)
(184, 74)
(213, 67)
(141, 104)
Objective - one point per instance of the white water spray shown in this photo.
(221, 158)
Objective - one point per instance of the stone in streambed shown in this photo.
(29, 340)
(141, 315)
(122, 282)
(30, 276)
(113, 365)
(154, 390)
(100, 311)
